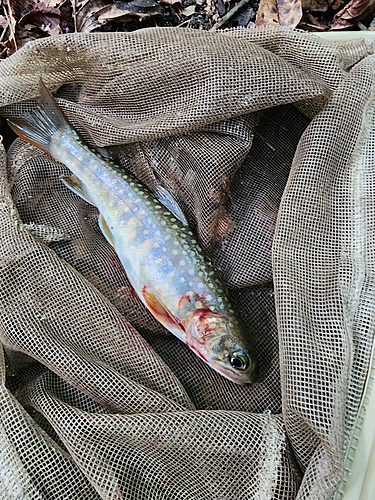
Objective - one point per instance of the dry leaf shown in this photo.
(290, 12)
(170, 2)
(279, 12)
(136, 8)
(42, 17)
(316, 5)
(66, 17)
(87, 20)
(96, 13)
(188, 11)
(353, 13)
(267, 13)
(3, 22)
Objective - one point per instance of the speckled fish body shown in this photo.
(160, 255)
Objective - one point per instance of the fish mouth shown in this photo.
(248, 378)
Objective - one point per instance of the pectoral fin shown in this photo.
(105, 230)
(74, 184)
(163, 314)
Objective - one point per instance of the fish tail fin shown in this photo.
(38, 126)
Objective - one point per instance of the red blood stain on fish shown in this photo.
(182, 300)
(193, 348)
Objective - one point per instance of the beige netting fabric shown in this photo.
(98, 400)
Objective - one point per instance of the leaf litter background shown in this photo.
(24, 20)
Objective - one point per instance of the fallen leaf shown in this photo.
(121, 11)
(20, 8)
(279, 12)
(87, 20)
(316, 5)
(354, 12)
(311, 22)
(3, 22)
(96, 13)
(290, 12)
(66, 17)
(42, 17)
(188, 11)
(170, 2)
(267, 13)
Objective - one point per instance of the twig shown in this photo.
(183, 23)
(4, 31)
(9, 21)
(264, 140)
(229, 14)
(314, 26)
(75, 15)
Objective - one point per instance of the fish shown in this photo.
(175, 280)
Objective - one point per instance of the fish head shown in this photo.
(217, 340)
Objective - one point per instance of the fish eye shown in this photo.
(240, 360)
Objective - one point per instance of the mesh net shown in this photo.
(97, 399)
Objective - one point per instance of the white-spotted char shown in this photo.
(160, 254)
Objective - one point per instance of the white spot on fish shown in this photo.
(182, 279)
(174, 252)
(182, 262)
(198, 305)
(209, 297)
(191, 272)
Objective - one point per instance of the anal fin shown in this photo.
(105, 230)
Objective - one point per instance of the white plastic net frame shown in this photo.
(316, 430)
